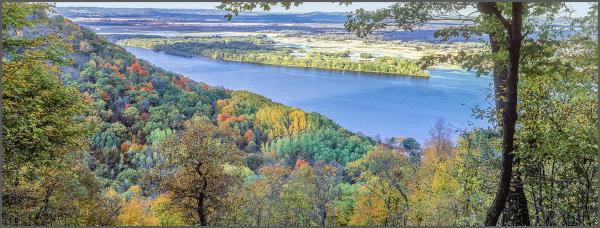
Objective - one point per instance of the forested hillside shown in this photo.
(93, 135)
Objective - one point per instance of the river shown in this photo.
(367, 103)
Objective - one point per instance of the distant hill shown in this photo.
(199, 15)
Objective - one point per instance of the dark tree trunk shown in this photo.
(323, 216)
(509, 113)
(200, 210)
(499, 74)
(516, 212)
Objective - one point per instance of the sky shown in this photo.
(304, 8)
(581, 8)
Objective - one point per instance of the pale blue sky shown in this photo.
(580, 8)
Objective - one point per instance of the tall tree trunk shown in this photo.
(499, 74)
(200, 209)
(509, 113)
(516, 212)
(516, 207)
(323, 216)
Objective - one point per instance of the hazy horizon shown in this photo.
(581, 8)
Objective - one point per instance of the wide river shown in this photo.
(367, 103)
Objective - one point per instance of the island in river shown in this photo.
(371, 104)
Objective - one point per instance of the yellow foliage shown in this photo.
(136, 212)
(111, 193)
(274, 119)
(228, 109)
(298, 122)
(168, 215)
(370, 210)
(136, 190)
(221, 104)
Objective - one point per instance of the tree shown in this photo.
(385, 173)
(558, 125)
(195, 161)
(167, 213)
(509, 27)
(491, 20)
(297, 198)
(41, 133)
(452, 184)
(136, 210)
(326, 181)
(274, 177)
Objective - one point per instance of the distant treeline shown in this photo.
(261, 50)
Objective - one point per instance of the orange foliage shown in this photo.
(180, 81)
(132, 88)
(230, 118)
(205, 86)
(124, 147)
(249, 135)
(116, 69)
(300, 163)
(147, 87)
(136, 147)
(223, 117)
(137, 68)
(105, 96)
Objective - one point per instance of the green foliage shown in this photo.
(95, 136)
(158, 135)
(323, 145)
(365, 55)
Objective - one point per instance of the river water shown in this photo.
(367, 103)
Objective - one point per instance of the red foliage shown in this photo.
(143, 72)
(132, 88)
(137, 68)
(205, 86)
(116, 69)
(181, 81)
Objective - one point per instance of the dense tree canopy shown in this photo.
(95, 136)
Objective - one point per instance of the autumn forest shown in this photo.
(94, 136)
